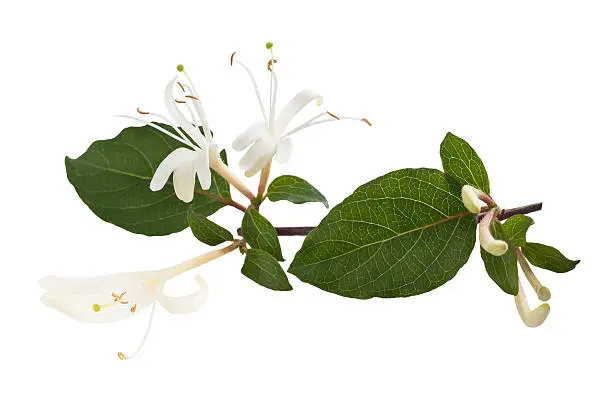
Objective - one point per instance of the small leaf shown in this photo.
(112, 177)
(261, 267)
(549, 258)
(205, 230)
(461, 162)
(294, 189)
(502, 269)
(402, 234)
(260, 234)
(515, 229)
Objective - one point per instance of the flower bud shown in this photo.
(491, 245)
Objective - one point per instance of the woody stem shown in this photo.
(504, 214)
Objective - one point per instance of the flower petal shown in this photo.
(249, 136)
(292, 108)
(284, 150)
(487, 241)
(202, 168)
(184, 181)
(168, 165)
(258, 155)
(470, 197)
(186, 304)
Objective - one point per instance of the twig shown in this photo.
(504, 214)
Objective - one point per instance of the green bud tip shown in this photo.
(269, 45)
(96, 307)
(180, 68)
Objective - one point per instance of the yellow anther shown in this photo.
(121, 356)
(133, 309)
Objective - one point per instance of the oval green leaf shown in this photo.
(402, 234)
(549, 258)
(260, 234)
(515, 229)
(261, 267)
(461, 162)
(503, 269)
(294, 189)
(205, 230)
(112, 177)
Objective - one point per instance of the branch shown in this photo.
(504, 214)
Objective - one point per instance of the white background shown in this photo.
(527, 83)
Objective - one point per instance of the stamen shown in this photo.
(123, 356)
(180, 101)
(161, 129)
(363, 119)
(191, 97)
(232, 58)
(181, 86)
(141, 111)
(257, 93)
(133, 309)
(333, 115)
(270, 63)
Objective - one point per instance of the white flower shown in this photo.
(270, 139)
(472, 198)
(531, 318)
(487, 241)
(199, 155)
(118, 296)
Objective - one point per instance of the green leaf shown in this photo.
(515, 229)
(294, 189)
(112, 177)
(261, 267)
(502, 269)
(549, 258)
(402, 234)
(205, 230)
(460, 161)
(260, 234)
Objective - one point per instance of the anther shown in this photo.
(232, 58)
(181, 86)
(121, 356)
(133, 309)
(270, 62)
(191, 97)
(141, 111)
(333, 115)
(366, 121)
(180, 101)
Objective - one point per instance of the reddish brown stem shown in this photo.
(504, 214)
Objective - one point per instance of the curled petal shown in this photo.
(189, 303)
(249, 136)
(168, 165)
(531, 318)
(292, 108)
(487, 241)
(471, 198)
(184, 181)
(284, 150)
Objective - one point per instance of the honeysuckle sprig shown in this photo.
(199, 154)
(270, 138)
(114, 297)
